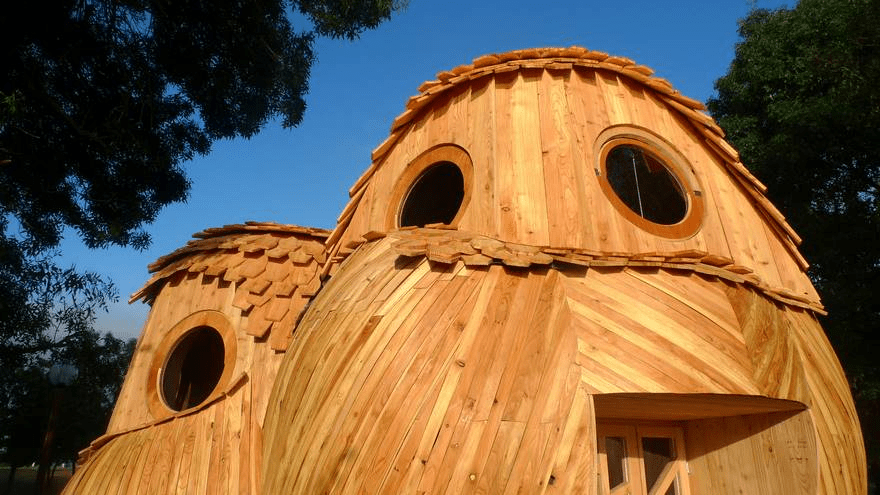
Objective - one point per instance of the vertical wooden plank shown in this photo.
(89, 476)
(216, 476)
(427, 388)
(527, 366)
(480, 216)
(199, 468)
(563, 166)
(575, 463)
(589, 117)
(407, 465)
(186, 447)
(134, 444)
(534, 385)
(467, 376)
(143, 446)
(355, 383)
(432, 442)
(415, 141)
(520, 190)
(437, 124)
(554, 394)
(639, 109)
(449, 120)
(739, 220)
(613, 232)
(245, 462)
(613, 94)
(504, 396)
(231, 462)
(160, 459)
(505, 180)
(148, 460)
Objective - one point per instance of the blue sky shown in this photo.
(301, 176)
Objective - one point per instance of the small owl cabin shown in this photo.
(555, 277)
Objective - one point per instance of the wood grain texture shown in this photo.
(206, 452)
(483, 356)
(451, 380)
(756, 454)
(535, 129)
(418, 376)
(794, 360)
(251, 282)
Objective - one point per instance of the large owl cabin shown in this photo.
(555, 277)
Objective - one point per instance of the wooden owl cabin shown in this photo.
(190, 414)
(555, 277)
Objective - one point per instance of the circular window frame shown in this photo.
(672, 160)
(207, 318)
(449, 153)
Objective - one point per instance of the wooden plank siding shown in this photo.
(216, 447)
(531, 132)
(485, 356)
(211, 451)
(452, 382)
(415, 376)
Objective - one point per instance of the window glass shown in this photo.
(615, 449)
(645, 185)
(658, 453)
(193, 369)
(435, 197)
(642, 459)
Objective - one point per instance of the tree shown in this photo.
(801, 102)
(101, 362)
(86, 403)
(53, 323)
(101, 102)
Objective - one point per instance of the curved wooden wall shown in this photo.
(793, 359)
(487, 355)
(408, 375)
(432, 380)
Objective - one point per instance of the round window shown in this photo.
(645, 185)
(193, 369)
(192, 364)
(433, 188)
(648, 182)
(435, 197)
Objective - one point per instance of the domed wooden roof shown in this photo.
(276, 269)
(740, 190)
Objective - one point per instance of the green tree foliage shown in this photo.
(101, 102)
(801, 102)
